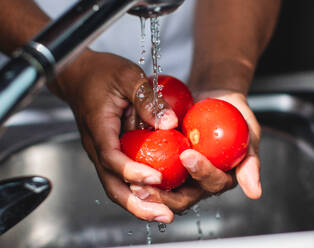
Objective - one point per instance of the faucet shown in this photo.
(44, 57)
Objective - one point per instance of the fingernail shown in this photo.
(152, 180)
(258, 190)
(190, 163)
(139, 192)
(168, 120)
(163, 219)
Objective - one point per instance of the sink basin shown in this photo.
(78, 213)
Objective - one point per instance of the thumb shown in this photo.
(148, 108)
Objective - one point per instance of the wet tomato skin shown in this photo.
(160, 150)
(218, 130)
(176, 94)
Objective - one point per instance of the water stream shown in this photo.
(155, 39)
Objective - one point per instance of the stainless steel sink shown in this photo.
(78, 213)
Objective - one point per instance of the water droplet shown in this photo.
(157, 9)
(141, 61)
(140, 92)
(130, 233)
(97, 202)
(196, 209)
(160, 114)
(95, 7)
(162, 227)
(218, 216)
(160, 87)
(141, 125)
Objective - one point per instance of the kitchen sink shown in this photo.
(77, 213)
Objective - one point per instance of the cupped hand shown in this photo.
(101, 88)
(207, 179)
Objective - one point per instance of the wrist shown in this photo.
(228, 74)
(71, 76)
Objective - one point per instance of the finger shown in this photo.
(248, 176)
(129, 119)
(120, 193)
(143, 100)
(177, 201)
(104, 129)
(209, 177)
(131, 171)
(248, 172)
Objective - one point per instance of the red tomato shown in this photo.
(160, 150)
(176, 94)
(217, 129)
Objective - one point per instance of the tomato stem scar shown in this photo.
(194, 136)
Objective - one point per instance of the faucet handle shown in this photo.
(149, 8)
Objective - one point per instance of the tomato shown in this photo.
(176, 94)
(217, 129)
(160, 150)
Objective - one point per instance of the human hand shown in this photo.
(208, 180)
(100, 88)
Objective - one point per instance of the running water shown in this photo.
(155, 39)
(196, 210)
(141, 61)
(148, 234)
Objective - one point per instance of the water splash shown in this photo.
(140, 93)
(141, 125)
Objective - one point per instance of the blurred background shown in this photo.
(292, 47)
